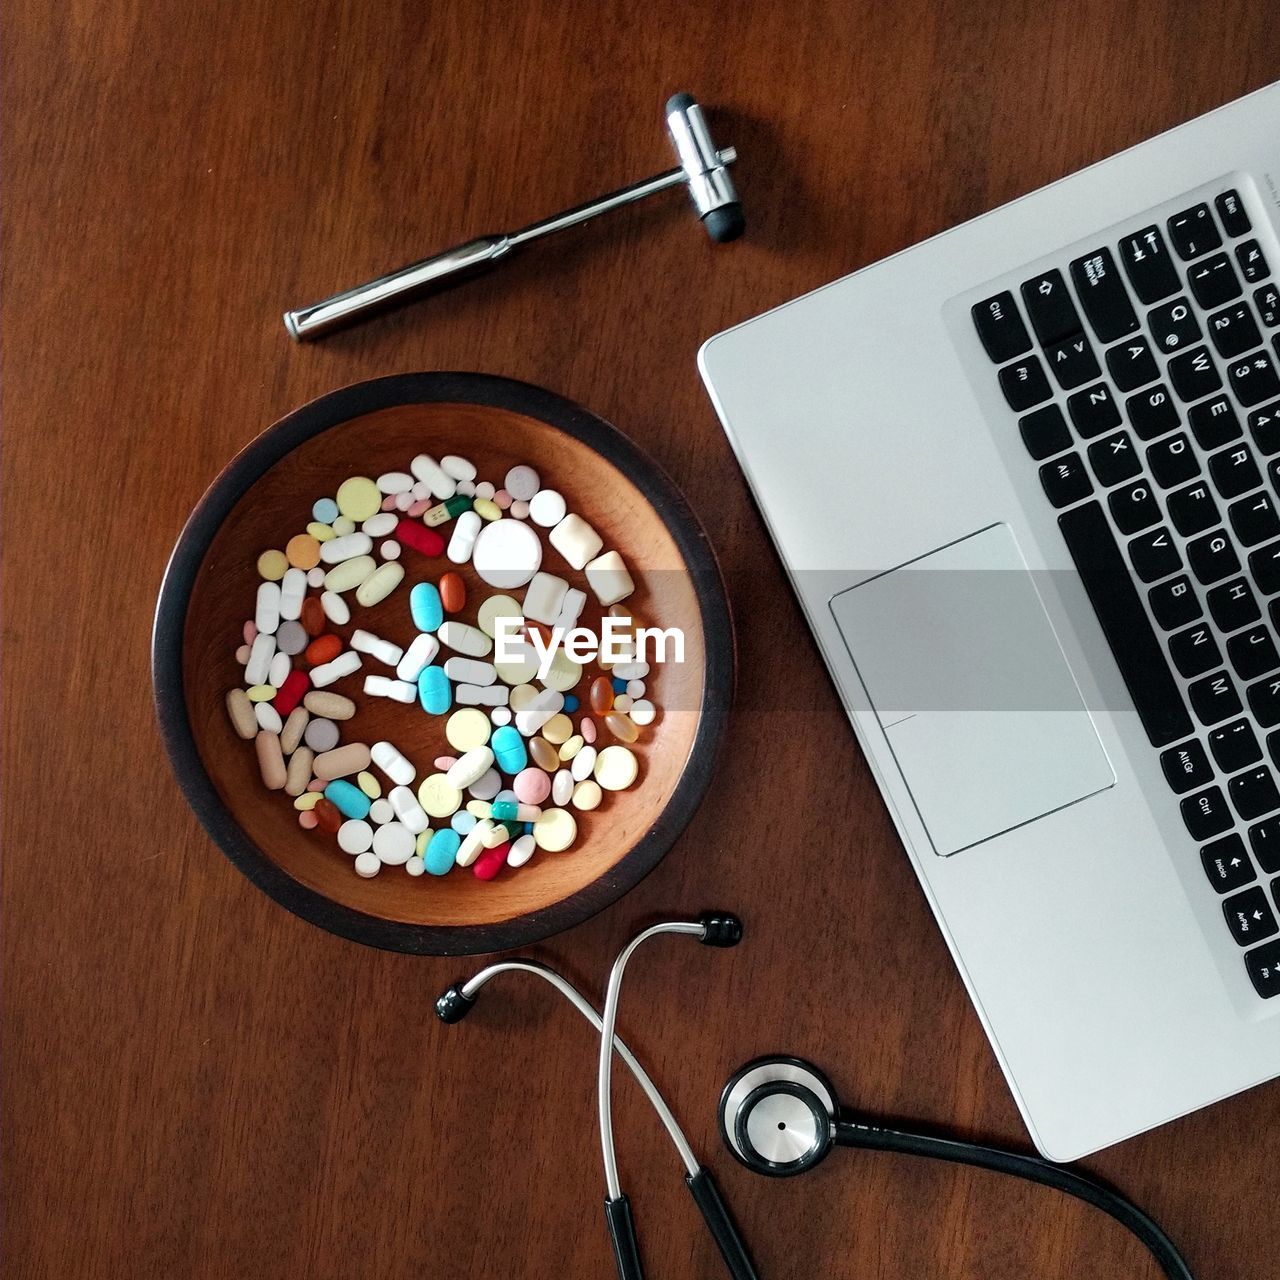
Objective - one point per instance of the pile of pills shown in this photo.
(520, 765)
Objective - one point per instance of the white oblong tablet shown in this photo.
(507, 554)
(463, 638)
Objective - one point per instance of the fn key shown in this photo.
(1263, 964)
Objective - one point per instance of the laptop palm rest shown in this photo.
(971, 687)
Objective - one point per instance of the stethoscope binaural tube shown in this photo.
(714, 929)
(780, 1117)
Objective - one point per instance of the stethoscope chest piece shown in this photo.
(776, 1116)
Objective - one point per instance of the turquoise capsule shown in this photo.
(462, 821)
(442, 849)
(503, 810)
(425, 606)
(434, 690)
(347, 798)
(509, 749)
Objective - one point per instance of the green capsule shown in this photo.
(446, 510)
(504, 810)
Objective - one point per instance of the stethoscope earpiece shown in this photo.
(777, 1116)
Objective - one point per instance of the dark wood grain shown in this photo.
(196, 1082)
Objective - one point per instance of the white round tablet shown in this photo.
(507, 554)
(394, 844)
(415, 866)
(380, 811)
(547, 508)
(355, 836)
(522, 483)
(367, 865)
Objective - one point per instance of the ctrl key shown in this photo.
(1263, 964)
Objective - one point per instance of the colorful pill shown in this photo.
(425, 606)
(291, 692)
(412, 533)
(453, 592)
(509, 749)
(601, 694)
(442, 850)
(347, 798)
(443, 512)
(491, 861)
(434, 691)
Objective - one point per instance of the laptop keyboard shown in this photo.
(1146, 380)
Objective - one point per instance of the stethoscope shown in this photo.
(779, 1116)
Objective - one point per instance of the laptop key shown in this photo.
(1254, 519)
(1206, 814)
(1249, 917)
(1194, 374)
(1264, 702)
(1173, 461)
(1193, 509)
(1072, 361)
(1233, 605)
(1108, 582)
(1152, 413)
(1235, 746)
(1000, 327)
(1193, 232)
(1195, 651)
(1148, 265)
(1254, 793)
(1264, 426)
(1227, 865)
(1234, 472)
(1135, 508)
(1231, 210)
(1045, 432)
(1024, 384)
(1267, 300)
(1114, 459)
(1214, 699)
(1174, 603)
(1214, 422)
(1131, 364)
(1103, 296)
(1253, 263)
(1174, 326)
(1254, 379)
(1094, 410)
(1065, 480)
(1214, 282)
(1048, 302)
(1186, 767)
(1253, 653)
(1264, 838)
(1212, 558)
(1264, 565)
(1233, 331)
(1263, 965)
(1154, 555)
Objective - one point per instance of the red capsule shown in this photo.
(415, 534)
(328, 816)
(491, 861)
(291, 692)
(453, 592)
(313, 619)
(323, 649)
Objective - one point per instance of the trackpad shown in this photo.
(972, 690)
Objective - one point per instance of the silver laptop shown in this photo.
(1025, 479)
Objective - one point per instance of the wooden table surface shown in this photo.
(197, 1084)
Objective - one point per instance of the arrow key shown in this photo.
(1226, 863)
(1249, 917)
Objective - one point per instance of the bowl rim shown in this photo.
(332, 410)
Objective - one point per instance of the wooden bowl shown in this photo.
(265, 495)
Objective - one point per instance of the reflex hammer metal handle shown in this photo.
(462, 261)
(417, 278)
